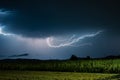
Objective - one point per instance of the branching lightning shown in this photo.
(69, 42)
(51, 42)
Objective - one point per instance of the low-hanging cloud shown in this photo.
(20, 55)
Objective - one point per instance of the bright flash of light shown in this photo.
(2, 32)
(69, 42)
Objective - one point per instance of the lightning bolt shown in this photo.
(62, 43)
(70, 41)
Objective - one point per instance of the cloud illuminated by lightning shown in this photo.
(69, 42)
(51, 42)
(4, 12)
(31, 42)
(2, 32)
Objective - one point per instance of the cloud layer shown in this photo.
(48, 18)
(26, 25)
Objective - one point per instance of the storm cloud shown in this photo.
(53, 17)
(31, 22)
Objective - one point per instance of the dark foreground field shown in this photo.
(90, 66)
(39, 75)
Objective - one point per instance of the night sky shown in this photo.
(56, 29)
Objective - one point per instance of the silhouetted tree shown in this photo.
(88, 57)
(73, 57)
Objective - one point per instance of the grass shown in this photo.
(42, 75)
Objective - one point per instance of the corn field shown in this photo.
(91, 66)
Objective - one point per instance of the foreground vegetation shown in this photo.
(91, 66)
(36, 75)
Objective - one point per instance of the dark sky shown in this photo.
(33, 24)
